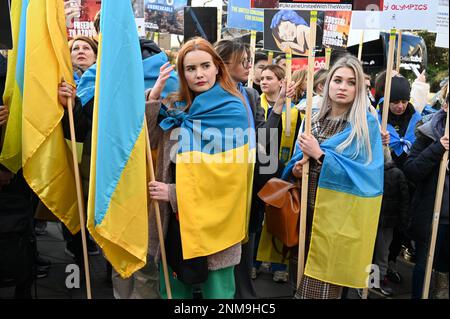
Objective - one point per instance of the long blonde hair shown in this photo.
(357, 115)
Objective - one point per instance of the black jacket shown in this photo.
(395, 204)
(422, 167)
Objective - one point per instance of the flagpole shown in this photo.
(399, 50)
(270, 58)
(387, 88)
(252, 57)
(436, 215)
(360, 48)
(287, 128)
(327, 58)
(305, 169)
(79, 197)
(158, 215)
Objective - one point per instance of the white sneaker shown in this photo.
(280, 276)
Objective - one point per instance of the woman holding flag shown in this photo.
(345, 185)
(203, 189)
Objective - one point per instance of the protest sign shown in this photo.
(324, 5)
(285, 29)
(80, 15)
(336, 29)
(442, 25)
(138, 11)
(302, 63)
(241, 16)
(164, 16)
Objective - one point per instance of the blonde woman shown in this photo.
(345, 185)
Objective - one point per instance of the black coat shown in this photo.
(395, 204)
(422, 167)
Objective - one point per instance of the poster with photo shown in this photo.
(138, 11)
(80, 15)
(302, 64)
(264, 4)
(164, 16)
(336, 29)
(285, 29)
(200, 22)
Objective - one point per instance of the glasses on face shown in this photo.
(246, 63)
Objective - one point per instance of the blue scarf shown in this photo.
(400, 144)
(86, 85)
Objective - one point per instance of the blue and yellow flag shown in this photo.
(11, 154)
(117, 206)
(214, 170)
(347, 209)
(47, 160)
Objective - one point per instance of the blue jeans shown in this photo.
(440, 262)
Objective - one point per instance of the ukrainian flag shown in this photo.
(117, 206)
(47, 161)
(11, 154)
(347, 209)
(214, 171)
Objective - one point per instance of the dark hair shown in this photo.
(230, 51)
(97, 22)
(260, 56)
(92, 43)
(380, 82)
(278, 58)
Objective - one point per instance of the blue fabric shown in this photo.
(287, 15)
(341, 172)
(216, 112)
(400, 144)
(151, 72)
(86, 85)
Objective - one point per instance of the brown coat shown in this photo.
(160, 140)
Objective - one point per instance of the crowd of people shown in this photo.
(210, 81)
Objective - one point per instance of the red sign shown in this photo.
(302, 63)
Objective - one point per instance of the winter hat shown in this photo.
(400, 89)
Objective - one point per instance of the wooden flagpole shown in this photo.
(219, 23)
(251, 76)
(305, 170)
(399, 51)
(387, 88)
(80, 198)
(158, 215)
(287, 128)
(270, 58)
(436, 215)
(361, 44)
(327, 58)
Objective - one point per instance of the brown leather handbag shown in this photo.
(282, 201)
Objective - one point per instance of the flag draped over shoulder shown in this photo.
(11, 154)
(47, 161)
(346, 211)
(117, 207)
(214, 168)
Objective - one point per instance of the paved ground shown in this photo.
(51, 246)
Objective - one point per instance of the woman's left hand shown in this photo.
(310, 146)
(385, 138)
(158, 191)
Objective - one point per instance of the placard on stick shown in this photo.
(165, 16)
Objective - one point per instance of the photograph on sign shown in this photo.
(241, 16)
(302, 64)
(285, 29)
(138, 11)
(264, 4)
(164, 16)
(80, 15)
(336, 29)
(324, 5)
(200, 22)
(6, 42)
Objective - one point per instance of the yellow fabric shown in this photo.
(287, 142)
(266, 250)
(123, 235)
(47, 162)
(342, 227)
(203, 230)
(11, 153)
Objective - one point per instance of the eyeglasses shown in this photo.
(246, 63)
